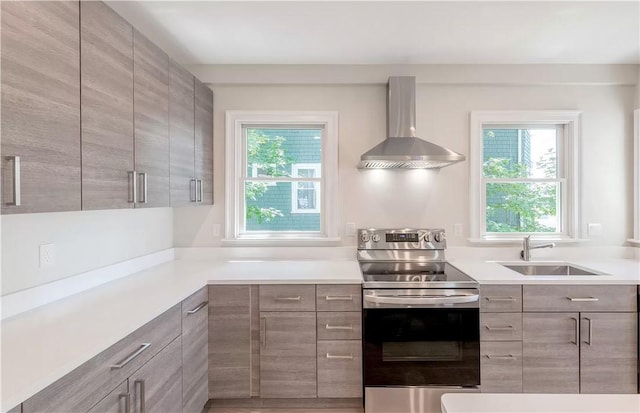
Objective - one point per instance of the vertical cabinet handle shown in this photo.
(17, 194)
(263, 331)
(201, 190)
(127, 402)
(140, 384)
(193, 188)
(145, 192)
(577, 331)
(590, 333)
(133, 176)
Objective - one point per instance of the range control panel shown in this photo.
(401, 239)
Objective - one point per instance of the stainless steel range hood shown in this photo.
(401, 149)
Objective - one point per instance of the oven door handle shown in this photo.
(422, 300)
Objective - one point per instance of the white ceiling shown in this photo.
(390, 32)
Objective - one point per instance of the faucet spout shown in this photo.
(525, 254)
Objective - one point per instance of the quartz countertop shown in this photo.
(539, 403)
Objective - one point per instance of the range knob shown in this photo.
(375, 237)
(427, 237)
(364, 237)
(439, 237)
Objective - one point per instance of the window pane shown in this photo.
(520, 152)
(522, 207)
(269, 206)
(272, 152)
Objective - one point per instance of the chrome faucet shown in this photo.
(525, 254)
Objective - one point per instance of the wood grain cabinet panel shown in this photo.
(500, 298)
(17, 409)
(40, 94)
(501, 367)
(158, 384)
(181, 136)
(501, 326)
(339, 369)
(151, 119)
(106, 43)
(608, 352)
(229, 341)
(609, 298)
(340, 325)
(195, 352)
(288, 354)
(204, 141)
(339, 297)
(287, 298)
(115, 402)
(551, 353)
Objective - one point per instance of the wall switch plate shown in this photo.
(47, 255)
(350, 229)
(216, 230)
(457, 230)
(594, 229)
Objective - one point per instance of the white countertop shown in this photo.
(41, 345)
(539, 403)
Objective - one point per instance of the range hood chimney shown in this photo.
(401, 149)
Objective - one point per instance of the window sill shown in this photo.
(507, 241)
(634, 242)
(281, 242)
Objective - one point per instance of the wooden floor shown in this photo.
(281, 410)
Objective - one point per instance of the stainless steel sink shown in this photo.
(550, 269)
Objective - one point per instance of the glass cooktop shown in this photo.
(430, 274)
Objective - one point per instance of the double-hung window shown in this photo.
(524, 174)
(281, 176)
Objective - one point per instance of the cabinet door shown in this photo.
(157, 386)
(608, 352)
(106, 42)
(288, 354)
(204, 141)
(40, 95)
(195, 352)
(550, 353)
(115, 402)
(181, 136)
(151, 111)
(229, 341)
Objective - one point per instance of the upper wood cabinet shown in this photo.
(40, 91)
(151, 120)
(181, 136)
(204, 141)
(106, 42)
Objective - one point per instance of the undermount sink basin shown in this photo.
(550, 269)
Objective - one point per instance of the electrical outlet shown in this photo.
(350, 229)
(216, 230)
(47, 255)
(594, 229)
(457, 230)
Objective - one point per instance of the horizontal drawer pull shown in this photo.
(330, 327)
(500, 357)
(298, 298)
(499, 299)
(198, 308)
(505, 328)
(339, 297)
(133, 355)
(333, 356)
(582, 299)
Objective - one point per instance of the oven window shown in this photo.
(421, 347)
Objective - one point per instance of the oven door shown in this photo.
(412, 346)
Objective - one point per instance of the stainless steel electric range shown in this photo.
(421, 335)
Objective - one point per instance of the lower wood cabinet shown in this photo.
(501, 367)
(288, 354)
(118, 401)
(195, 352)
(339, 368)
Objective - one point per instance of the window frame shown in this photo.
(236, 168)
(568, 155)
(317, 167)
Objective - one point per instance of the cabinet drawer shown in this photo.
(610, 298)
(339, 297)
(287, 298)
(501, 326)
(85, 386)
(339, 325)
(500, 298)
(501, 367)
(339, 368)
